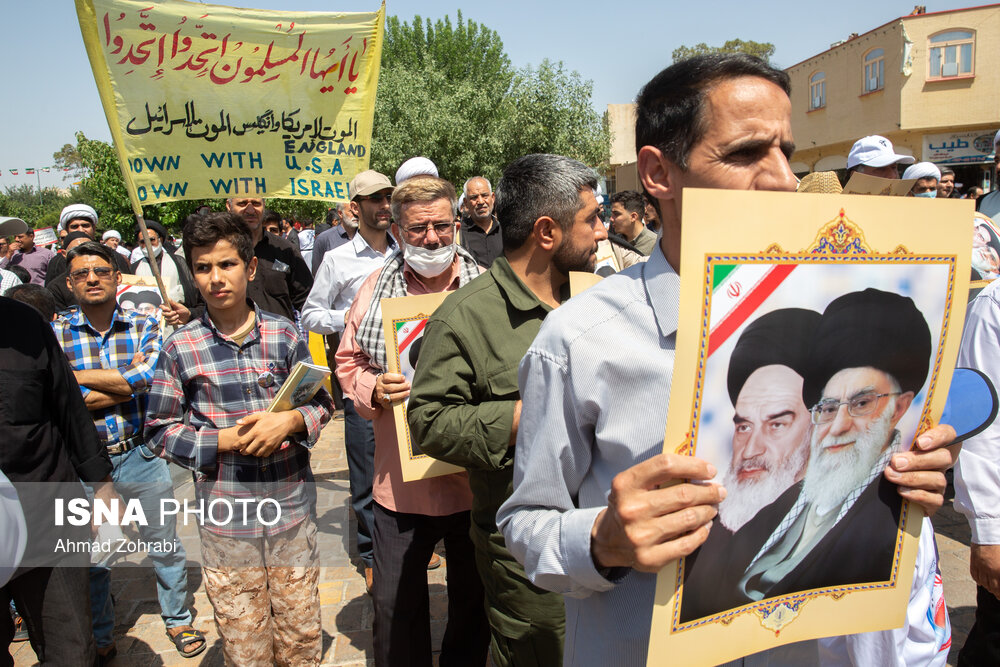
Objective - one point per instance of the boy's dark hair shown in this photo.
(631, 201)
(669, 113)
(270, 216)
(205, 230)
(93, 249)
(36, 296)
(21, 273)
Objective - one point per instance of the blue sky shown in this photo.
(50, 91)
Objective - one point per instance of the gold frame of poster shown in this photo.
(738, 251)
(396, 313)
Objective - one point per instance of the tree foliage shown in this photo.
(449, 92)
(22, 201)
(763, 50)
(68, 157)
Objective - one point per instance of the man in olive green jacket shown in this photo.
(465, 404)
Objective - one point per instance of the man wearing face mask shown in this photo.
(337, 280)
(411, 517)
(927, 175)
(184, 296)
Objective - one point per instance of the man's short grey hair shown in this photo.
(539, 185)
(465, 188)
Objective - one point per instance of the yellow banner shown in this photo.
(208, 101)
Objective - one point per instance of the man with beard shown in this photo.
(411, 517)
(871, 355)
(282, 280)
(465, 406)
(770, 445)
(481, 235)
(338, 279)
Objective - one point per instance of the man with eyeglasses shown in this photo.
(466, 407)
(870, 357)
(113, 355)
(411, 517)
(340, 274)
(283, 280)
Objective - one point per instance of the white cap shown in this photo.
(12, 226)
(875, 151)
(415, 166)
(922, 170)
(111, 234)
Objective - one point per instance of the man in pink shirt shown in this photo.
(411, 517)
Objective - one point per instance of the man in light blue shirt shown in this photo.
(592, 514)
(340, 274)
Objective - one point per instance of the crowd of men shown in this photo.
(554, 407)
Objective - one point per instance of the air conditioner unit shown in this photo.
(949, 69)
(817, 102)
(873, 84)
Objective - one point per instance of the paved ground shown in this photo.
(347, 609)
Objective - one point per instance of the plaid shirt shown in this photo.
(204, 383)
(89, 349)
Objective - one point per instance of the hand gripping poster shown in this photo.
(403, 322)
(818, 335)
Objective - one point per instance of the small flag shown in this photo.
(45, 169)
(13, 172)
(29, 170)
(66, 169)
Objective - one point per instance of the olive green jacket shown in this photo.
(461, 408)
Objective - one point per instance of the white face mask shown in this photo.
(157, 250)
(931, 194)
(428, 263)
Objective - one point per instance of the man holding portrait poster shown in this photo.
(597, 509)
(411, 517)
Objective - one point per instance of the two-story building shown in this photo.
(927, 81)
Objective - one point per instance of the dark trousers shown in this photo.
(333, 342)
(402, 632)
(982, 647)
(359, 440)
(55, 605)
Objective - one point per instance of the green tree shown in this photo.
(448, 91)
(22, 201)
(104, 187)
(68, 157)
(763, 50)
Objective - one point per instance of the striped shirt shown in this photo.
(89, 349)
(204, 383)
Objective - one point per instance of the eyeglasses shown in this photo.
(824, 412)
(101, 272)
(420, 231)
(377, 198)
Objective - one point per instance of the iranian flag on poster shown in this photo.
(408, 336)
(738, 290)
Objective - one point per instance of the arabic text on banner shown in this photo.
(206, 101)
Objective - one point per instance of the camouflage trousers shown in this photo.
(265, 596)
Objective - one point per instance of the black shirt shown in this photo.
(283, 279)
(484, 246)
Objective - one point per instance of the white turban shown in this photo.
(415, 166)
(74, 211)
(111, 234)
(922, 170)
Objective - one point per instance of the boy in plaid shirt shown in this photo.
(207, 412)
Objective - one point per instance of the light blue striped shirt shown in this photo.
(595, 385)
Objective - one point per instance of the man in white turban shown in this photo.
(927, 175)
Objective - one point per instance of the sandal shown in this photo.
(186, 638)
(105, 654)
(20, 629)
